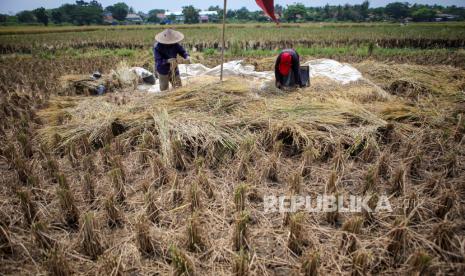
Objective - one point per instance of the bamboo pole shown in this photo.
(222, 41)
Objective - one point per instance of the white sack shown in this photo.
(341, 73)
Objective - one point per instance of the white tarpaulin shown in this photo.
(341, 73)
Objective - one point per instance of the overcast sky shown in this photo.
(13, 6)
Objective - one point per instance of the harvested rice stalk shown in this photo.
(89, 188)
(41, 236)
(371, 180)
(240, 196)
(195, 239)
(410, 207)
(69, 209)
(419, 261)
(271, 169)
(111, 266)
(360, 262)
(446, 202)
(309, 155)
(114, 215)
(176, 196)
(194, 197)
(382, 165)
(311, 264)
(443, 235)
(178, 161)
(241, 264)
(415, 166)
(339, 160)
(459, 131)
(57, 264)
(243, 169)
(90, 239)
(88, 163)
(6, 246)
(240, 236)
(159, 171)
(62, 181)
(24, 172)
(203, 182)
(182, 264)
(331, 185)
(28, 206)
(397, 181)
(352, 227)
(72, 155)
(296, 240)
(332, 217)
(295, 183)
(398, 238)
(118, 184)
(151, 209)
(117, 163)
(147, 246)
(372, 202)
(25, 143)
(451, 164)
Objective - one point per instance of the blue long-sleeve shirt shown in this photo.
(163, 52)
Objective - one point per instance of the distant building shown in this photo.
(175, 17)
(204, 16)
(445, 17)
(208, 16)
(133, 18)
(108, 19)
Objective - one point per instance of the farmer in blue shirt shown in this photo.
(166, 50)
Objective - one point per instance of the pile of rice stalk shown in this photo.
(209, 114)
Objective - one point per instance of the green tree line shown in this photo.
(86, 13)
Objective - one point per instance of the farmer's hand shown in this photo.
(188, 60)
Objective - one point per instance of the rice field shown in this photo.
(176, 183)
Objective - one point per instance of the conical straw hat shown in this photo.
(169, 36)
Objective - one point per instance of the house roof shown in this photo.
(133, 16)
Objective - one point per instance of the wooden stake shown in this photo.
(222, 42)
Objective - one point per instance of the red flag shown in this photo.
(268, 8)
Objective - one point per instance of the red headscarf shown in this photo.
(285, 63)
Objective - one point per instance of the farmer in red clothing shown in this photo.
(287, 70)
